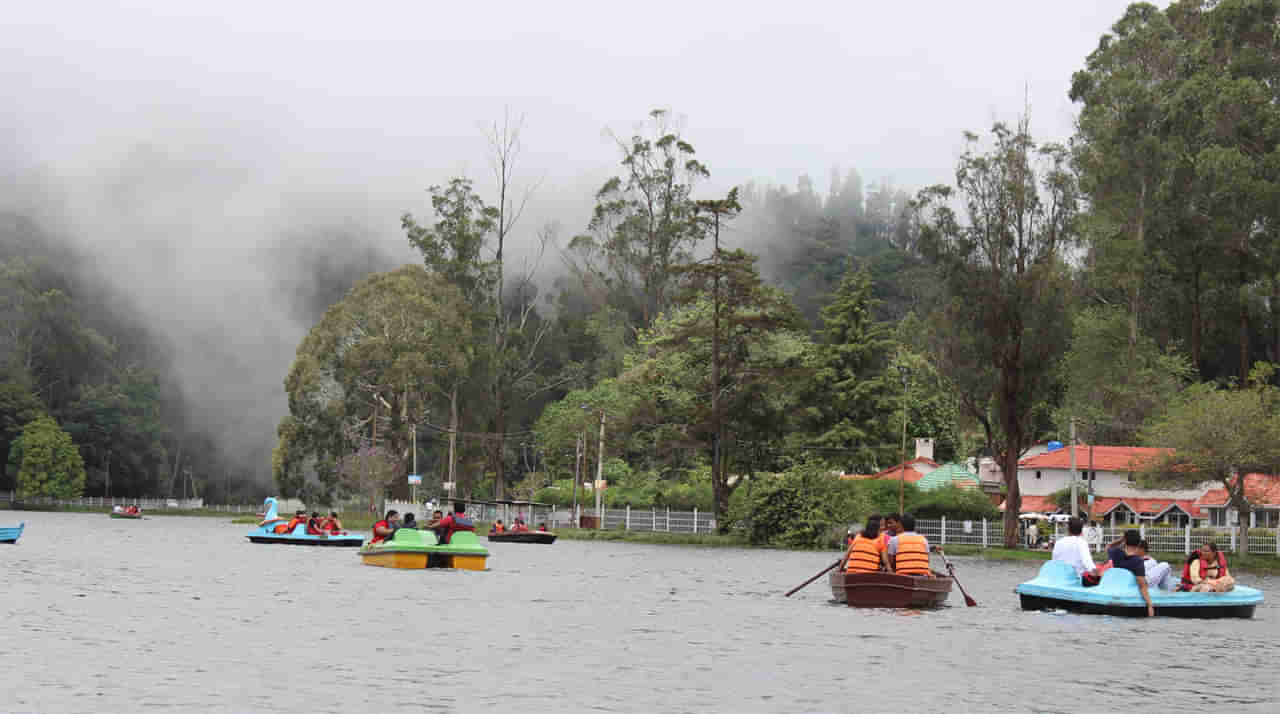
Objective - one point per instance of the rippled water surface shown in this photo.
(184, 614)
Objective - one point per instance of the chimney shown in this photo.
(924, 449)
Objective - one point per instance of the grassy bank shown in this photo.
(661, 538)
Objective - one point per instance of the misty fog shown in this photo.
(219, 164)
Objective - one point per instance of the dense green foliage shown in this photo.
(694, 343)
(46, 461)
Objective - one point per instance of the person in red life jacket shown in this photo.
(332, 524)
(454, 522)
(497, 527)
(315, 525)
(542, 527)
(299, 518)
(386, 527)
(519, 526)
(1206, 571)
(133, 510)
(908, 551)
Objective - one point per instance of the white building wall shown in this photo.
(1109, 484)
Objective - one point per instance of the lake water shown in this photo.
(184, 614)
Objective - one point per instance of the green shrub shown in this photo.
(954, 502)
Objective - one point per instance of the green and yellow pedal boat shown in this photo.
(414, 549)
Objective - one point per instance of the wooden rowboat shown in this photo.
(890, 590)
(523, 537)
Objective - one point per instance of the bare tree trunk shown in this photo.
(1197, 321)
(1244, 321)
(453, 437)
(177, 459)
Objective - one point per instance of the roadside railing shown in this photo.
(1160, 538)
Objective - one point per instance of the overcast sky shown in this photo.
(768, 90)
(181, 143)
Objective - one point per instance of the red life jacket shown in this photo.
(456, 522)
(315, 527)
(377, 538)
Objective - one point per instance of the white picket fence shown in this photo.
(1183, 540)
(100, 502)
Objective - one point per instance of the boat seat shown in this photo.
(1056, 573)
(1120, 582)
(464, 538)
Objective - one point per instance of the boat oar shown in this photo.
(820, 574)
(951, 569)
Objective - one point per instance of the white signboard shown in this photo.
(415, 479)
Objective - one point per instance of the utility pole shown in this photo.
(902, 472)
(577, 463)
(1075, 477)
(600, 474)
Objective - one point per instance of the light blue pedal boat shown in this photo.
(1058, 587)
(11, 535)
(265, 532)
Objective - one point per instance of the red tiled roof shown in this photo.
(1036, 504)
(893, 472)
(1105, 458)
(1260, 489)
(1153, 507)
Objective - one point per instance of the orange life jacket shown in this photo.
(498, 528)
(913, 555)
(864, 555)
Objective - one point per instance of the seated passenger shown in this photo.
(497, 527)
(520, 526)
(867, 551)
(386, 527)
(542, 527)
(332, 524)
(456, 521)
(314, 525)
(117, 509)
(909, 551)
(409, 522)
(1206, 571)
(434, 524)
(890, 527)
(1123, 553)
(1074, 551)
(1158, 574)
(299, 517)
(131, 510)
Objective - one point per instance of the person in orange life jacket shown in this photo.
(867, 552)
(497, 527)
(456, 521)
(386, 527)
(908, 551)
(299, 517)
(1126, 553)
(315, 525)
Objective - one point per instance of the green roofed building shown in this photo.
(948, 474)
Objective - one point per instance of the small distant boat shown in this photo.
(890, 589)
(523, 537)
(1058, 587)
(414, 549)
(265, 532)
(122, 514)
(10, 534)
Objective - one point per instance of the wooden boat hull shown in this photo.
(11, 535)
(523, 537)
(1057, 587)
(889, 590)
(130, 516)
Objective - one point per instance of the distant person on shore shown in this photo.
(1206, 571)
(1093, 536)
(867, 551)
(386, 527)
(1074, 551)
(1159, 575)
(1124, 553)
(908, 551)
(1033, 534)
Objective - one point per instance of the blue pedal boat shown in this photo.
(265, 532)
(1058, 587)
(10, 534)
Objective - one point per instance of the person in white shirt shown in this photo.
(1073, 551)
(1159, 575)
